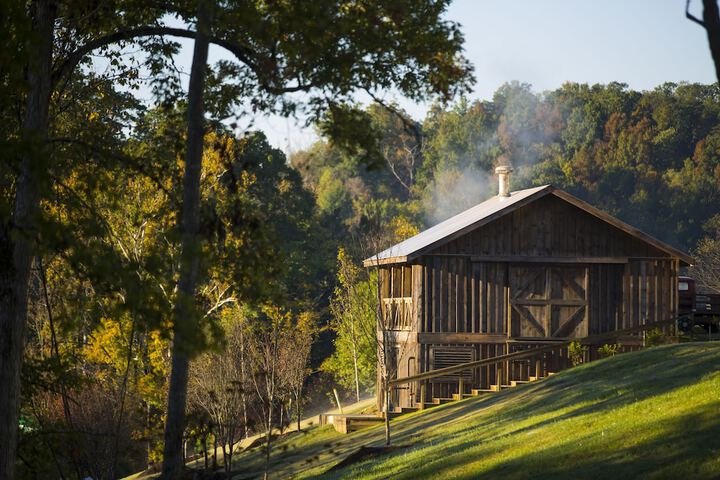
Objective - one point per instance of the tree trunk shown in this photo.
(282, 418)
(387, 416)
(227, 458)
(231, 446)
(297, 407)
(268, 440)
(355, 367)
(711, 20)
(243, 397)
(148, 449)
(183, 329)
(205, 453)
(215, 445)
(17, 235)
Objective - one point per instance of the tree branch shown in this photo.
(242, 53)
(692, 17)
(711, 23)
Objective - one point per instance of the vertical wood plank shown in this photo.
(451, 297)
(484, 299)
(427, 304)
(437, 287)
(417, 293)
(514, 244)
(443, 294)
(473, 297)
(499, 296)
(466, 273)
(626, 297)
(492, 313)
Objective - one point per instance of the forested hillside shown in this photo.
(650, 158)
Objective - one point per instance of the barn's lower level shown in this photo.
(468, 310)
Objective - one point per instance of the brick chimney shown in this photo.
(503, 173)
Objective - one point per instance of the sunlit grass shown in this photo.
(651, 414)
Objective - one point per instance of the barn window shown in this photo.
(397, 273)
(397, 298)
(407, 282)
(397, 282)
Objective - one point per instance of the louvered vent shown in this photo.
(441, 357)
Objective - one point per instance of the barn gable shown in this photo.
(550, 227)
(538, 222)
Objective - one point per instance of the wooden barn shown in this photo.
(521, 269)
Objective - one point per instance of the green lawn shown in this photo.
(650, 414)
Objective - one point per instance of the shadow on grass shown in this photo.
(669, 454)
(591, 388)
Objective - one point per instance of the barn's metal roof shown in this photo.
(453, 225)
(492, 209)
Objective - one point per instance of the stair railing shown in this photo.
(530, 352)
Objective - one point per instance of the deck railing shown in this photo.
(532, 361)
(398, 313)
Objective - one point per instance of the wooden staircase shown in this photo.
(541, 371)
(474, 392)
(350, 423)
(546, 357)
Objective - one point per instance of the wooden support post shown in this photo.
(337, 399)
(538, 368)
(421, 405)
(461, 386)
(499, 375)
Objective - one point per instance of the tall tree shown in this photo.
(329, 49)
(354, 361)
(17, 253)
(184, 325)
(297, 356)
(711, 23)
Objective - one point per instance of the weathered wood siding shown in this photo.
(549, 227)
(459, 292)
(461, 296)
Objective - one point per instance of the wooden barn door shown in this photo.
(548, 301)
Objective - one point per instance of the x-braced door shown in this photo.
(548, 301)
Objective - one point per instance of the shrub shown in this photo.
(609, 350)
(655, 337)
(576, 352)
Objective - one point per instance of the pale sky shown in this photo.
(547, 42)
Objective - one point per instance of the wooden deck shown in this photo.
(346, 423)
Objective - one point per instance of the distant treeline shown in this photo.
(650, 158)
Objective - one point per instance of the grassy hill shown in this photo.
(649, 414)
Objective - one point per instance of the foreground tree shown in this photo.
(184, 324)
(17, 253)
(328, 49)
(711, 23)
